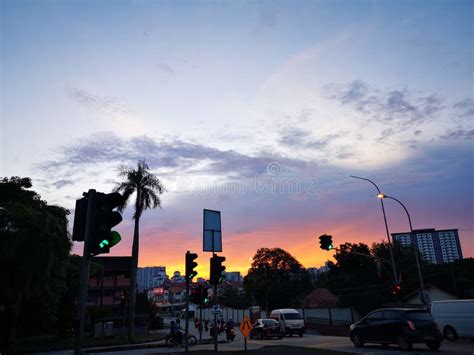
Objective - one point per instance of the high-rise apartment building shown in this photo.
(437, 247)
(148, 276)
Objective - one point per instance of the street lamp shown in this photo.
(381, 196)
(390, 248)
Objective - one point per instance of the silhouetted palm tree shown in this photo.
(147, 188)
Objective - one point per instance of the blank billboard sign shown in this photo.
(212, 231)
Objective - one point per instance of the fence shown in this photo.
(327, 316)
(237, 315)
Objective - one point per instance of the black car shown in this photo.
(266, 328)
(404, 327)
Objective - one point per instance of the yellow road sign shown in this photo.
(246, 327)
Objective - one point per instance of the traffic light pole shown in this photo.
(200, 316)
(84, 275)
(215, 319)
(215, 300)
(187, 316)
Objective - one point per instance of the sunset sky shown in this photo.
(259, 109)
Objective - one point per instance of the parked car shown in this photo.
(455, 318)
(266, 328)
(290, 320)
(404, 327)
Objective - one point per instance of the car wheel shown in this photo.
(259, 336)
(280, 337)
(384, 345)
(404, 344)
(433, 345)
(450, 333)
(301, 334)
(357, 341)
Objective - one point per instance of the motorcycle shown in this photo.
(173, 340)
(229, 334)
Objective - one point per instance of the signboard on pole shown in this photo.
(216, 309)
(212, 233)
(246, 327)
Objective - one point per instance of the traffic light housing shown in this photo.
(395, 290)
(199, 295)
(104, 218)
(190, 265)
(195, 296)
(217, 269)
(325, 242)
(80, 215)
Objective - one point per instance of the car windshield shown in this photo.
(421, 315)
(270, 322)
(292, 316)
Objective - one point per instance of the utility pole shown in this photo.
(415, 247)
(187, 316)
(396, 278)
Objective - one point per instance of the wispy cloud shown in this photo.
(61, 183)
(401, 107)
(171, 155)
(166, 68)
(299, 138)
(459, 134)
(465, 108)
(96, 102)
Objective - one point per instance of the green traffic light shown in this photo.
(114, 239)
(329, 246)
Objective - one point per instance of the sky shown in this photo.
(258, 109)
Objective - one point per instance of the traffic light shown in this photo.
(325, 242)
(80, 215)
(395, 290)
(104, 218)
(199, 295)
(190, 265)
(195, 296)
(217, 269)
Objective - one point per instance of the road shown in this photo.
(337, 344)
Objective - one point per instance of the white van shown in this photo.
(290, 320)
(455, 318)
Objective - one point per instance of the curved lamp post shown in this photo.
(395, 277)
(381, 196)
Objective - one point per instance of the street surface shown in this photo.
(332, 343)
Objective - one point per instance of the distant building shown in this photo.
(110, 287)
(177, 278)
(233, 276)
(437, 247)
(315, 272)
(150, 277)
(201, 280)
(432, 293)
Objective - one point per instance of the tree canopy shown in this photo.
(365, 283)
(276, 279)
(34, 251)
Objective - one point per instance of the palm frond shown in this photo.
(142, 181)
